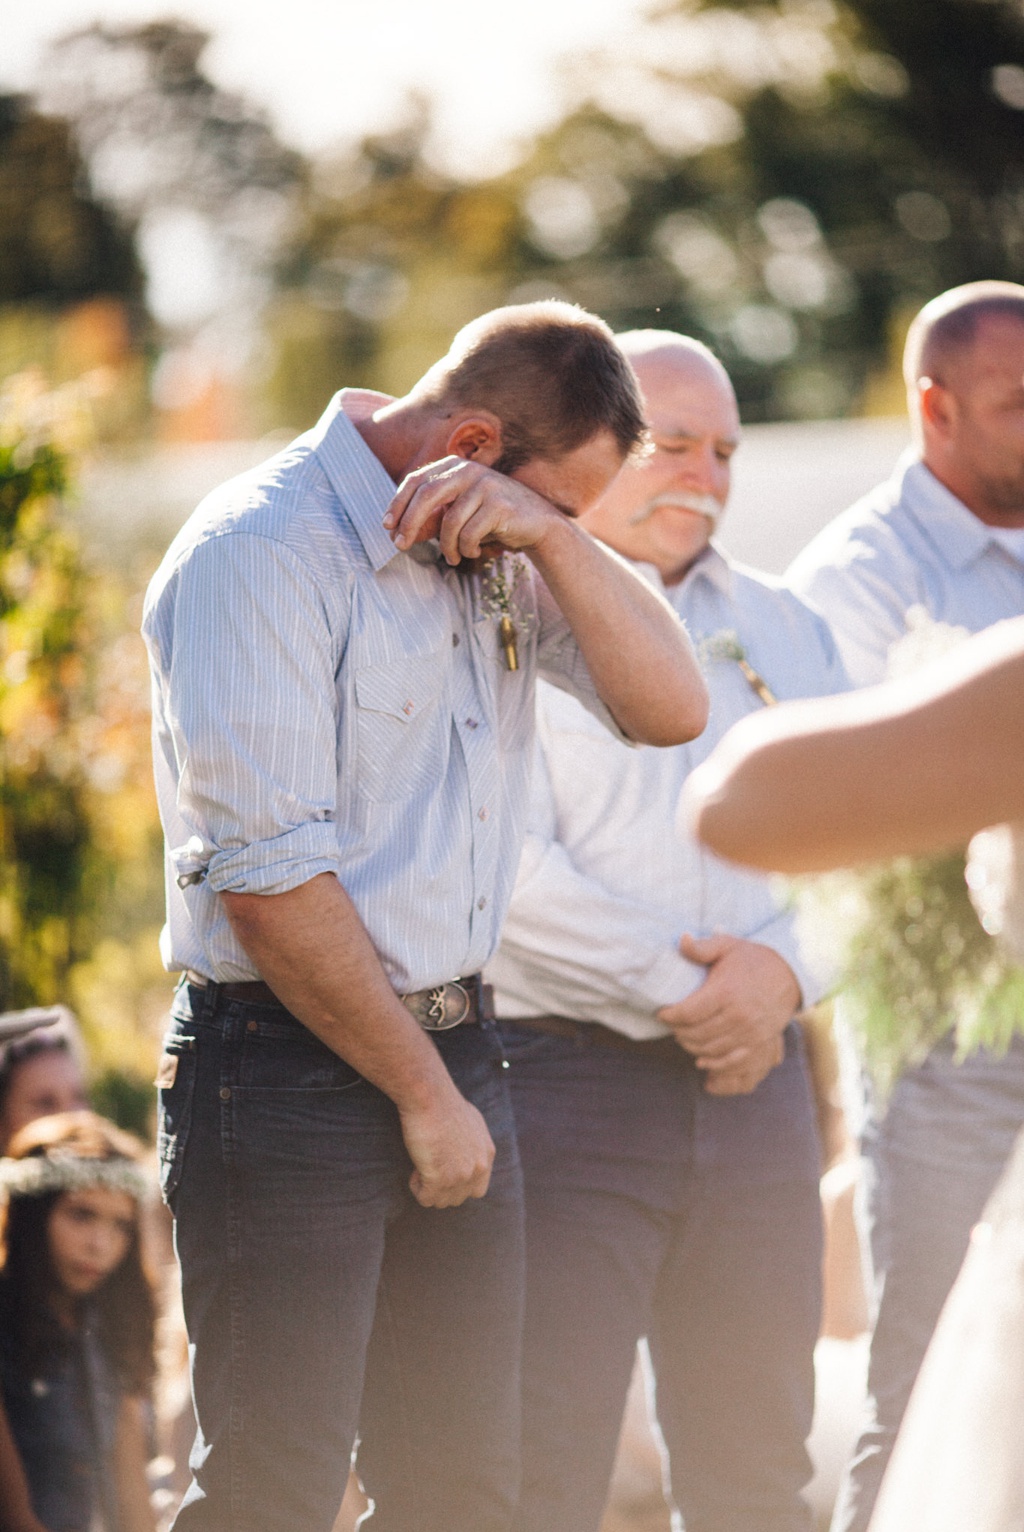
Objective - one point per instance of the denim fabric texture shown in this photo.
(656, 1210)
(931, 1159)
(320, 1296)
(63, 1419)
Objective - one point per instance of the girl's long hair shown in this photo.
(124, 1304)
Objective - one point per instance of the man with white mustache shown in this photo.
(646, 992)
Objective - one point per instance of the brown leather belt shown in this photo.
(591, 1034)
(460, 1002)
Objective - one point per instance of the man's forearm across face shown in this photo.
(636, 649)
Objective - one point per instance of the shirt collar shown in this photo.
(959, 537)
(711, 564)
(358, 478)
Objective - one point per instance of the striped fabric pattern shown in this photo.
(324, 703)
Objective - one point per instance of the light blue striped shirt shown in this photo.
(325, 703)
(909, 543)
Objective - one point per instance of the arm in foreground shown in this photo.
(635, 647)
(314, 952)
(909, 767)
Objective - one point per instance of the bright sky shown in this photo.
(332, 69)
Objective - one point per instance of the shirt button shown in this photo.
(455, 640)
(252, 1026)
(481, 903)
(225, 1093)
(482, 813)
(472, 723)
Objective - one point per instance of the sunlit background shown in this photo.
(261, 201)
(210, 222)
(212, 218)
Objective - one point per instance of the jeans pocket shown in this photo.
(284, 1055)
(176, 1080)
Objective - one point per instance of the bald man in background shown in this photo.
(646, 993)
(946, 535)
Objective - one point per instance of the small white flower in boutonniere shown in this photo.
(724, 646)
(501, 577)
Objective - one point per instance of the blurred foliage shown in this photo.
(387, 259)
(58, 243)
(125, 1098)
(914, 961)
(80, 891)
(155, 130)
(70, 278)
(788, 181)
(200, 173)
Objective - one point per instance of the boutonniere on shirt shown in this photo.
(501, 577)
(725, 645)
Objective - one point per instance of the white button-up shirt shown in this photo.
(607, 885)
(909, 543)
(325, 703)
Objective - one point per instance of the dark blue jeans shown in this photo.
(319, 1294)
(654, 1209)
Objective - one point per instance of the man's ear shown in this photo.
(938, 408)
(477, 437)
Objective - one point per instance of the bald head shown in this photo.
(964, 368)
(948, 326)
(654, 351)
(663, 508)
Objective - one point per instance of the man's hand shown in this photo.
(313, 950)
(733, 1023)
(741, 1079)
(451, 1149)
(465, 506)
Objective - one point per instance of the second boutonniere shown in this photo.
(724, 646)
(502, 576)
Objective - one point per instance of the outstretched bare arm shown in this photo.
(911, 766)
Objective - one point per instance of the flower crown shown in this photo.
(38, 1174)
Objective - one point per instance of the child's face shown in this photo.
(90, 1232)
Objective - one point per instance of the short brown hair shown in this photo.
(949, 323)
(550, 372)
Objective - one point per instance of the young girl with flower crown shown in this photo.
(76, 1330)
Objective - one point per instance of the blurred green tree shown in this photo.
(208, 185)
(387, 259)
(801, 176)
(58, 244)
(70, 280)
(43, 632)
(80, 881)
(788, 179)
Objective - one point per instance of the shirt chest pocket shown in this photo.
(403, 727)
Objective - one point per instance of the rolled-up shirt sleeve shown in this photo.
(251, 709)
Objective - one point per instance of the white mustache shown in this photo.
(703, 505)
